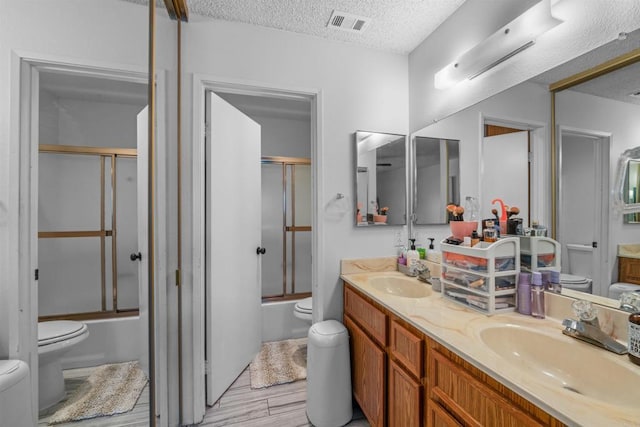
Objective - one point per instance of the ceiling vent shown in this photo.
(347, 22)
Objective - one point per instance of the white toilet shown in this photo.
(303, 310)
(15, 394)
(616, 289)
(54, 339)
(579, 266)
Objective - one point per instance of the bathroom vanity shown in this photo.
(427, 361)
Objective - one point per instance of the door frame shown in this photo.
(540, 204)
(601, 276)
(193, 368)
(24, 150)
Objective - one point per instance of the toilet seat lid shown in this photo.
(59, 330)
(304, 305)
(570, 278)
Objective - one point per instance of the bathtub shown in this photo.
(109, 341)
(279, 323)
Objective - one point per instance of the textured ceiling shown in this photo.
(616, 85)
(396, 25)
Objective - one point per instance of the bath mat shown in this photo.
(279, 362)
(109, 390)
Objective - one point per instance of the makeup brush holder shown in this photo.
(462, 229)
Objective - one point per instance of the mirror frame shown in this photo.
(574, 80)
(619, 201)
(356, 167)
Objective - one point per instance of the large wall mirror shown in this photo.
(435, 178)
(381, 179)
(595, 123)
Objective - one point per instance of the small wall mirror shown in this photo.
(436, 178)
(381, 179)
(627, 186)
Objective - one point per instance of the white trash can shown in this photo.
(328, 375)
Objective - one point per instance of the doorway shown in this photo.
(202, 86)
(583, 202)
(67, 112)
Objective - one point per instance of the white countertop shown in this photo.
(459, 329)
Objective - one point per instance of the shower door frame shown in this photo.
(103, 233)
(284, 162)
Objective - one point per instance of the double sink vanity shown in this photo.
(419, 359)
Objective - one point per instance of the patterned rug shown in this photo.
(109, 390)
(279, 362)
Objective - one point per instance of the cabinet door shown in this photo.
(407, 347)
(368, 371)
(437, 416)
(405, 398)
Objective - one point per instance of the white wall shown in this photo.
(589, 112)
(585, 26)
(361, 89)
(525, 103)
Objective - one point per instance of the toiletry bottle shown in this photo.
(489, 233)
(546, 278)
(466, 241)
(554, 282)
(422, 252)
(412, 256)
(475, 239)
(401, 259)
(431, 239)
(537, 295)
(524, 293)
(634, 338)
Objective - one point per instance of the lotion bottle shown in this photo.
(412, 256)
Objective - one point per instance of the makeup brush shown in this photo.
(494, 211)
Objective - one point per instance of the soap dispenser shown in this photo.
(412, 256)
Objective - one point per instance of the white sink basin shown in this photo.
(400, 286)
(567, 363)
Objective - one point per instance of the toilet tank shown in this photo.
(580, 260)
(15, 394)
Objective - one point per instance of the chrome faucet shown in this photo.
(587, 328)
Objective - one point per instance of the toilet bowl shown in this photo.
(579, 260)
(303, 310)
(54, 340)
(15, 394)
(575, 282)
(616, 289)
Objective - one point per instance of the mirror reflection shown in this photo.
(630, 191)
(436, 179)
(381, 173)
(596, 123)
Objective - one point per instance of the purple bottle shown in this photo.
(524, 293)
(537, 295)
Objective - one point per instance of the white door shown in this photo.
(233, 224)
(582, 199)
(143, 235)
(506, 173)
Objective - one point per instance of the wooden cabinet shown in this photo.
(368, 372)
(472, 398)
(405, 398)
(403, 378)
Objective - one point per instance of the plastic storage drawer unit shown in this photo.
(328, 375)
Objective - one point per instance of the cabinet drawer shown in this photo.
(366, 315)
(461, 394)
(405, 398)
(407, 347)
(437, 416)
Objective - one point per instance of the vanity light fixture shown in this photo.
(508, 41)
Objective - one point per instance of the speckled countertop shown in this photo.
(609, 383)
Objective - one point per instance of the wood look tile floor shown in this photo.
(278, 406)
(240, 406)
(137, 417)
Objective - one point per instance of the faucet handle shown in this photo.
(584, 310)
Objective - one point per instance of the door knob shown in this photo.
(135, 256)
(260, 251)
